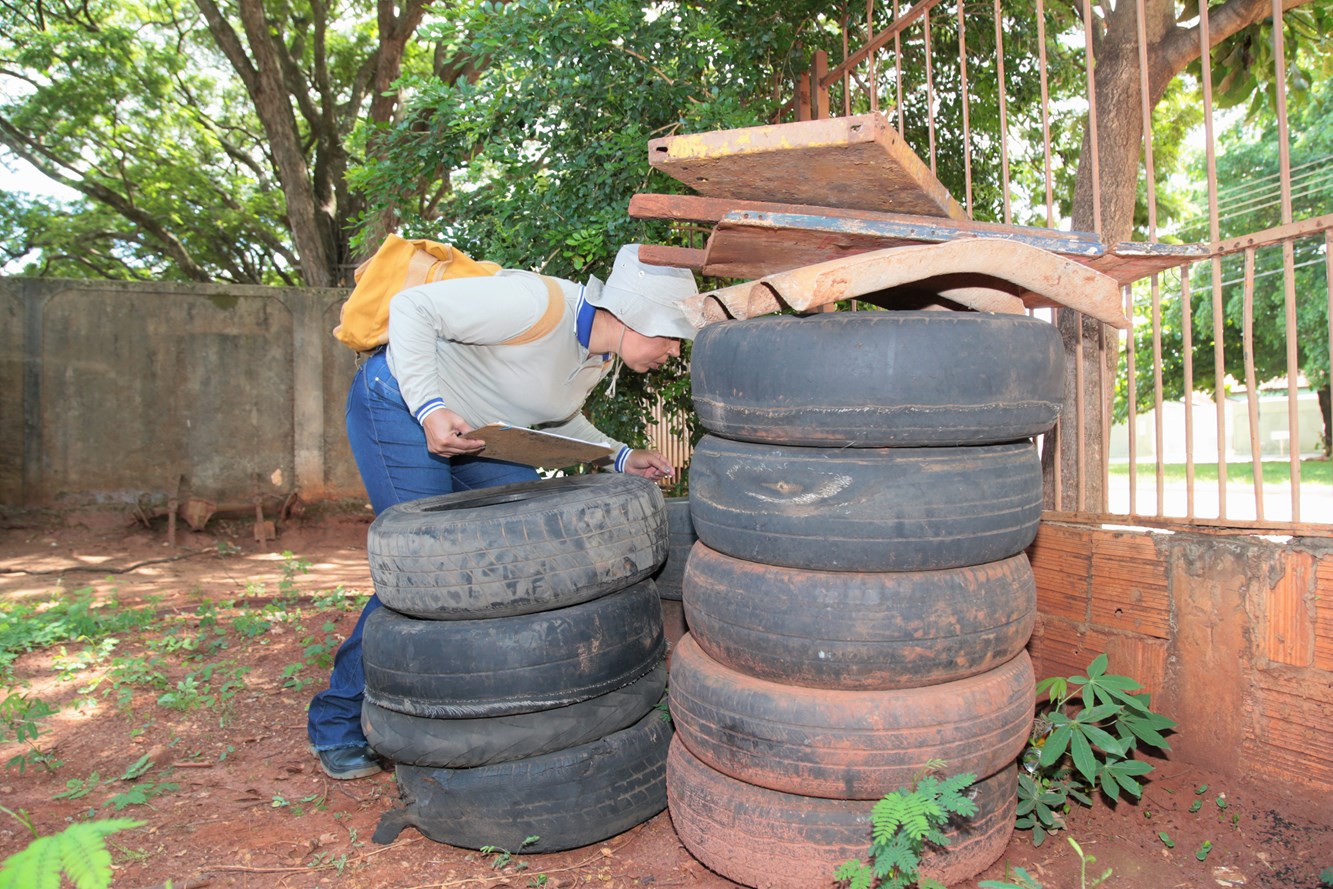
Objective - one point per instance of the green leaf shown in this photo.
(79, 852)
(1084, 759)
(1057, 742)
(1166, 840)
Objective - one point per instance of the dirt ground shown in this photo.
(251, 808)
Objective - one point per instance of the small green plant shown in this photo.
(77, 788)
(902, 824)
(78, 852)
(1084, 743)
(20, 722)
(196, 691)
(318, 654)
(1327, 876)
(319, 801)
(503, 858)
(1166, 839)
(1204, 848)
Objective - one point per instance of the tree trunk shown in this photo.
(1107, 207)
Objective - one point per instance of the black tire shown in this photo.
(467, 743)
(853, 630)
(504, 665)
(847, 744)
(771, 840)
(680, 537)
(517, 549)
(566, 799)
(882, 509)
(879, 379)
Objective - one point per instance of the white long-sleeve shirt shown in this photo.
(446, 348)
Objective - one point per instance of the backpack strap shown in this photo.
(550, 319)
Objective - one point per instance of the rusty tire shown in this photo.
(773, 840)
(517, 549)
(855, 630)
(878, 379)
(502, 665)
(847, 744)
(467, 743)
(567, 798)
(680, 537)
(881, 509)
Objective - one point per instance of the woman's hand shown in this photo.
(649, 464)
(446, 434)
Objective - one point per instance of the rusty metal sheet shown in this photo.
(854, 162)
(975, 273)
(749, 244)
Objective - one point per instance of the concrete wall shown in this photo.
(113, 393)
(1233, 635)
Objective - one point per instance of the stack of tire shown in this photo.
(515, 672)
(859, 600)
(680, 539)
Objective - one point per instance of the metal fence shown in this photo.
(1218, 409)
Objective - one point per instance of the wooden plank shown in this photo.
(855, 162)
(678, 257)
(963, 271)
(695, 208)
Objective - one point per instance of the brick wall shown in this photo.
(1232, 634)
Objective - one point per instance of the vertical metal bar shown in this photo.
(1187, 346)
(1132, 399)
(1054, 437)
(874, 81)
(930, 87)
(1004, 131)
(1252, 387)
(1145, 102)
(846, 75)
(1079, 411)
(898, 66)
(1288, 262)
(821, 91)
(1094, 159)
(1328, 284)
(1102, 331)
(1219, 307)
(967, 125)
(1045, 109)
(1158, 438)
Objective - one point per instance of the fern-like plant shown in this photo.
(902, 824)
(78, 852)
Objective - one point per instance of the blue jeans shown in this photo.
(390, 450)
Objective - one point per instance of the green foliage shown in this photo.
(1249, 200)
(531, 160)
(1326, 876)
(902, 824)
(1083, 743)
(70, 617)
(20, 722)
(78, 852)
(503, 858)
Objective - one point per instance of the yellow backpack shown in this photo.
(399, 264)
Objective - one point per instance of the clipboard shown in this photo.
(533, 447)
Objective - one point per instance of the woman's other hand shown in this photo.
(446, 434)
(649, 464)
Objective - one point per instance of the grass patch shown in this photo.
(1276, 472)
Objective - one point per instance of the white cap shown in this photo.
(646, 297)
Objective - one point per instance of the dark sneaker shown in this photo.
(345, 763)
